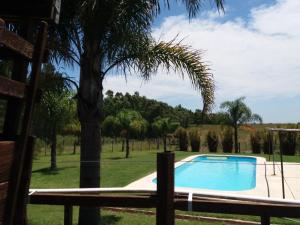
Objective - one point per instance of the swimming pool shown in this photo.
(225, 173)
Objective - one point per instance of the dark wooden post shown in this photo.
(21, 210)
(165, 214)
(282, 175)
(68, 216)
(265, 220)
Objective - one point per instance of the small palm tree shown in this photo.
(131, 123)
(163, 127)
(238, 113)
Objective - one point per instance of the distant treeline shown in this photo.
(151, 109)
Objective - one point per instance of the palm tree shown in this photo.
(237, 113)
(56, 108)
(109, 36)
(132, 123)
(111, 127)
(164, 126)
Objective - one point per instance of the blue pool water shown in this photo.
(224, 173)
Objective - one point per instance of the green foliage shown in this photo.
(256, 142)
(150, 109)
(236, 114)
(194, 136)
(182, 136)
(288, 142)
(138, 128)
(227, 140)
(111, 126)
(55, 110)
(212, 141)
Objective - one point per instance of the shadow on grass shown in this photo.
(110, 219)
(116, 158)
(48, 171)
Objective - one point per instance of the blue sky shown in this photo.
(252, 50)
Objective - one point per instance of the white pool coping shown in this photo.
(260, 190)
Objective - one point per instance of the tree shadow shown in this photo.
(116, 158)
(110, 219)
(48, 171)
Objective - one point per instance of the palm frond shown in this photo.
(148, 57)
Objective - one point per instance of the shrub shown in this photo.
(255, 141)
(227, 140)
(212, 141)
(195, 140)
(182, 136)
(287, 142)
(267, 146)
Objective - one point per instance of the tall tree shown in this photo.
(237, 113)
(55, 110)
(132, 123)
(163, 127)
(102, 36)
(111, 127)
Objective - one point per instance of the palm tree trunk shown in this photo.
(53, 150)
(90, 111)
(236, 146)
(127, 147)
(123, 145)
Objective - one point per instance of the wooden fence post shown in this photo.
(68, 216)
(265, 220)
(165, 214)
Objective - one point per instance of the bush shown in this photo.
(267, 146)
(287, 142)
(227, 140)
(182, 136)
(255, 141)
(212, 141)
(195, 140)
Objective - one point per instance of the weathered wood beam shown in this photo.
(9, 41)
(6, 156)
(240, 207)
(12, 88)
(93, 200)
(3, 194)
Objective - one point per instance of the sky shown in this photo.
(253, 50)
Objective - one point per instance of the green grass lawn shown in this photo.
(116, 172)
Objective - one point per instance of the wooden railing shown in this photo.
(166, 201)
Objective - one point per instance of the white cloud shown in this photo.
(258, 58)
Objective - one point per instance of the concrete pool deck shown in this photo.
(264, 169)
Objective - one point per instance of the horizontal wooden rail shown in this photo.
(12, 88)
(143, 201)
(149, 200)
(13, 44)
(240, 207)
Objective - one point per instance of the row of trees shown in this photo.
(193, 138)
(260, 142)
(235, 113)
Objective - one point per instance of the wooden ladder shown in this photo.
(16, 150)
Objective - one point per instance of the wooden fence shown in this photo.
(166, 201)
